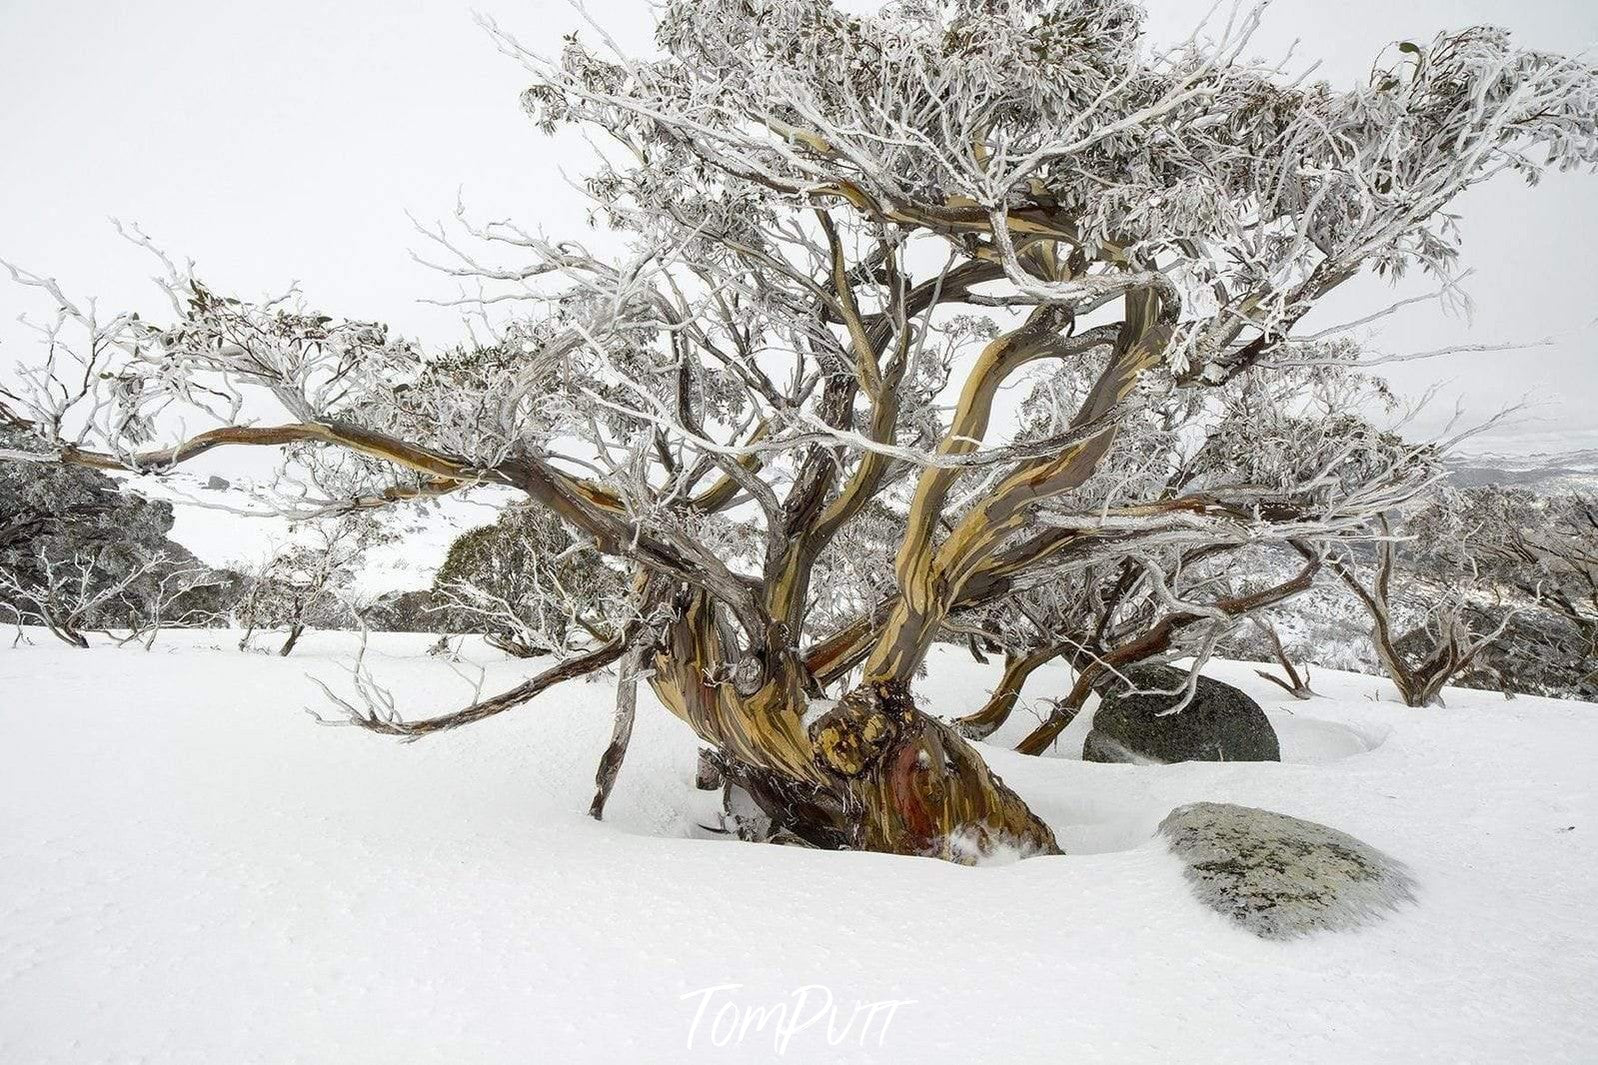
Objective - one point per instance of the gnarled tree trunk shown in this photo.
(871, 772)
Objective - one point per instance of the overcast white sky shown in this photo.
(286, 141)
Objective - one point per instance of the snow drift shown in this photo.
(191, 870)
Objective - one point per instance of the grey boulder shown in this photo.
(1280, 877)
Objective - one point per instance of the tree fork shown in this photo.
(932, 579)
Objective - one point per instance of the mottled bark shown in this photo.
(63, 630)
(920, 788)
(1065, 710)
(932, 579)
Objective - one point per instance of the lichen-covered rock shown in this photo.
(1279, 876)
(1222, 724)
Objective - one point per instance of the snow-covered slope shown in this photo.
(192, 870)
(1550, 473)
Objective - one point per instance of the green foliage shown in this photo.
(67, 507)
(77, 552)
(528, 584)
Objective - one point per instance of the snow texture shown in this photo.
(193, 871)
(1279, 876)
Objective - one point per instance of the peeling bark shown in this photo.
(919, 787)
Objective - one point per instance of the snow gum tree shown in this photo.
(814, 205)
(76, 554)
(307, 580)
(1488, 577)
(526, 584)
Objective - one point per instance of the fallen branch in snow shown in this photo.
(381, 717)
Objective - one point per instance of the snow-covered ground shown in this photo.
(192, 870)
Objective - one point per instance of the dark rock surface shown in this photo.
(1221, 724)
